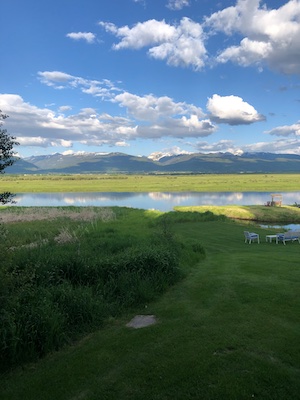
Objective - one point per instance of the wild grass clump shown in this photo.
(55, 291)
(65, 236)
(191, 216)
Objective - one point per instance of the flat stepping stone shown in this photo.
(140, 321)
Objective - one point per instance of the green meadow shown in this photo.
(150, 183)
(227, 312)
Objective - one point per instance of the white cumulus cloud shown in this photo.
(149, 117)
(179, 45)
(221, 146)
(65, 108)
(44, 127)
(232, 110)
(55, 78)
(152, 108)
(142, 34)
(89, 37)
(286, 130)
(269, 36)
(291, 146)
(60, 80)
(178, 128)
(263, 37)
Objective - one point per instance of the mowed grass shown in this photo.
(229, 330)
(150, 183)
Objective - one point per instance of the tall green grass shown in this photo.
(56, 287)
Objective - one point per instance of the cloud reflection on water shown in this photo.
(163, 201)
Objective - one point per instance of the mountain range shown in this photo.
(200, 163)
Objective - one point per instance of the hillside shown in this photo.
(183, 163)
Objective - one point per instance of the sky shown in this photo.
(151, 76)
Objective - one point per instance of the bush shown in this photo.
(151, 268)
(190, 216)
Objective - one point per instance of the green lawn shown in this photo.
(229, 330)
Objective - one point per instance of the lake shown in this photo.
(162, 201)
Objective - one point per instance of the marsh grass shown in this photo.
(23, 214)
(65, 236)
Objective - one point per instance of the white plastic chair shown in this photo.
(251, 236)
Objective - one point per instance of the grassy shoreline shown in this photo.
(279, 215)
(150, 183)
(282, 215)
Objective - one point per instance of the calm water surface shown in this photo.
(163, 201)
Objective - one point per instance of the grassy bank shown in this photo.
(228, 330)
(273, 215)
(150, 183)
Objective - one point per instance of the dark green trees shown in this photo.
(7, 158)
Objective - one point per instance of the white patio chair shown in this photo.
(251, 237)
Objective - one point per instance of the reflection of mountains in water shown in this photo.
(170, 196)
(72, 198)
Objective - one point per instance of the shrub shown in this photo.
(190, 216)
(125, 274)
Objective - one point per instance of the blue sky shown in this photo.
(150, 76)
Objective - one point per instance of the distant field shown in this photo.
(150, 183)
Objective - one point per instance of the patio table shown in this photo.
(269, 238)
